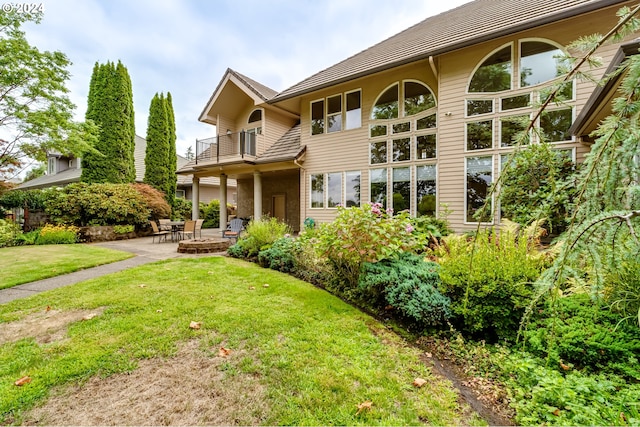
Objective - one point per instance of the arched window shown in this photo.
(494, 74)
(255, 116)
(539, 63)
(386, 106)
(417, 98)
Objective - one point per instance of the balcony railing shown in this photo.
(231, 145)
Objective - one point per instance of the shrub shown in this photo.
(581, 332)
(366, 234)
(57, 235)
(489, 278)
(29, 238)
(279, 256)
(260, 235)
(211, 214)
(409, 285)
(9, 232)
(123, 229)
(83, 204)
(182, 209)
(155, 200)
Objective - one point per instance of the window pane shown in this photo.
(317, 117)
(555, 125)
(401, 189)
(379, 152)
(479, 178)
(479, 106)
(537, 63)
(334, 113)
(334, 104)
(417, 98)
(352, 189)
(317, 191)
(255, 116)
(401, 149)
(512, 102)
(428, 122)
(378, 130)
(387, 105)
(334, 189)
(426, 146)
(401, 127)
(378, 184)
(494, 75)
(510, 127)
(480, 135)
(354, 111)
(426, 190)
(564, 94)
(334, 122)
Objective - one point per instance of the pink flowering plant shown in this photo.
(367, 234)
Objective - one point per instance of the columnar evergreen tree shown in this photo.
(110, 105)
(173, 156)
(157, 168)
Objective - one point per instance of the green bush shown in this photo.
(123, 229)
(30, 199)
(260, 235)
(9, 232)
(366, 234)
(155, 201)
(407, 284)
(489, 279)
(210, 213)
(84, 204)
(182, 209)
(279, 256)
(29, 238)
(581, 332)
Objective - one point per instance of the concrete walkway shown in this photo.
(145, 250)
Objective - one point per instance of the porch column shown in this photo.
(257, 195)
(195, 198)
(223, 201)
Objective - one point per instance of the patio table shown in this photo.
(176, 228)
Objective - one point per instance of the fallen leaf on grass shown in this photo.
(556, 412)
(89, 316)
(429, 355)
(419, 382)
(48, 308)
(364, 406)
(195, 325)
(22, 381)
(565, 366)
(266, 285)
(251, 288)
(224, 352)
(158, 311)
(143, 286)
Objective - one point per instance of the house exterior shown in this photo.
(63, 169)
(422, 121)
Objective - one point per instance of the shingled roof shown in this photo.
(286, 148)
(469, 24)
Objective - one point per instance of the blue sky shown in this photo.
(184, 47)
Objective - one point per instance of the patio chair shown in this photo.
(165, 224)
(188, 230)
(198, 229)
(157, 232)
(235, 227)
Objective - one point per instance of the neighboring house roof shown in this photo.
(463, 26)
(73, 174)
(61, 178)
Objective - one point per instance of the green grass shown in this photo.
(24, 264)
(315, 356)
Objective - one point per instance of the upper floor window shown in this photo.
(415, 98)
(255, 122)
(537, 61)
(336, 113)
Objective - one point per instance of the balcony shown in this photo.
(228, 147)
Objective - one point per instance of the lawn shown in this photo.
(24, 264)
(265, 348)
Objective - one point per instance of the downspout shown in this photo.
(433, 66)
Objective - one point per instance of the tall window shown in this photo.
(354, 110)
(317, 117)
(426, 190)
(479, 176)
(401, 189)
(317, 191)
(378, 184)
(352, 188)
(334, 189)
(334, 113)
